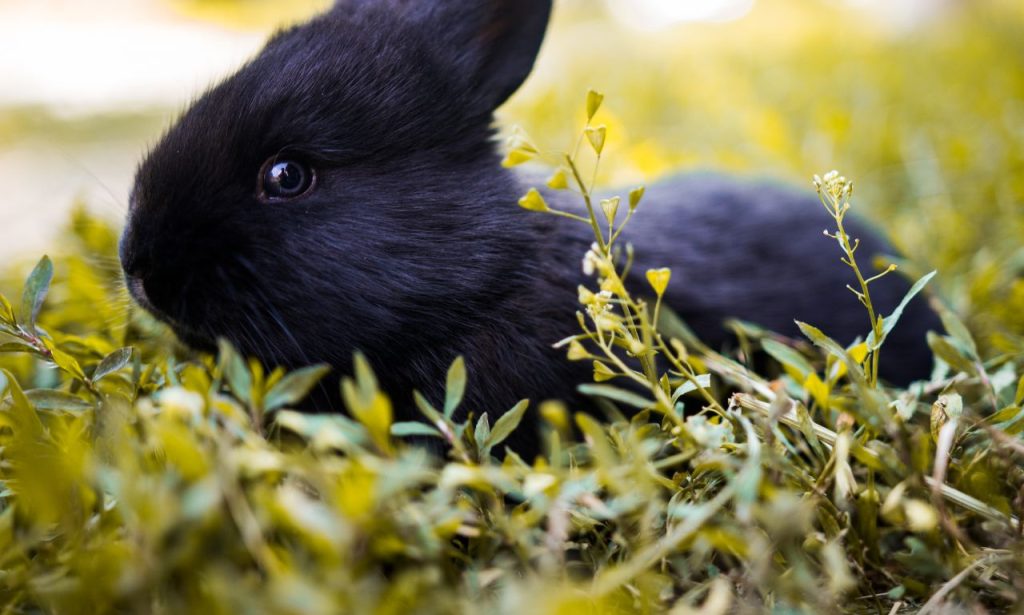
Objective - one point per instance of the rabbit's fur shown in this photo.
(410, 246)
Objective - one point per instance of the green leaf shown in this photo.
(235, 371)
(506, 424)
(616, 394)
(36, 287)
(456, 386)
(49, 399)
(112, 362)
(704, 380)
(414, 428)
(889, 322)
(294, 387)
(787, 356)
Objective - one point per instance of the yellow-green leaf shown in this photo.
(368, 404)
(817, 388)
(7, 311)
(64, 361)
(506, 424)
(26, 421)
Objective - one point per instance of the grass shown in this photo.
(138, 481)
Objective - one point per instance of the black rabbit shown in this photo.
(343, 191)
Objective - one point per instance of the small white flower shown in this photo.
(537, 483)
(181, 402)
(588, 264)
(708, 435)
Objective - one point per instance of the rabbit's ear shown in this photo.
(491, 43)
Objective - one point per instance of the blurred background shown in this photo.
(920, 101)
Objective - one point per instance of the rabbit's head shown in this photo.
(342, 189)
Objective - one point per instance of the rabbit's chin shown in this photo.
(189, 336)
(193, 339)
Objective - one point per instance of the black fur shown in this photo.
(411, 247)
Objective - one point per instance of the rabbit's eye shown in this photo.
(285, 179)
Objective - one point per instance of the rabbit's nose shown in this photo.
(137, 289)
(128, 251)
